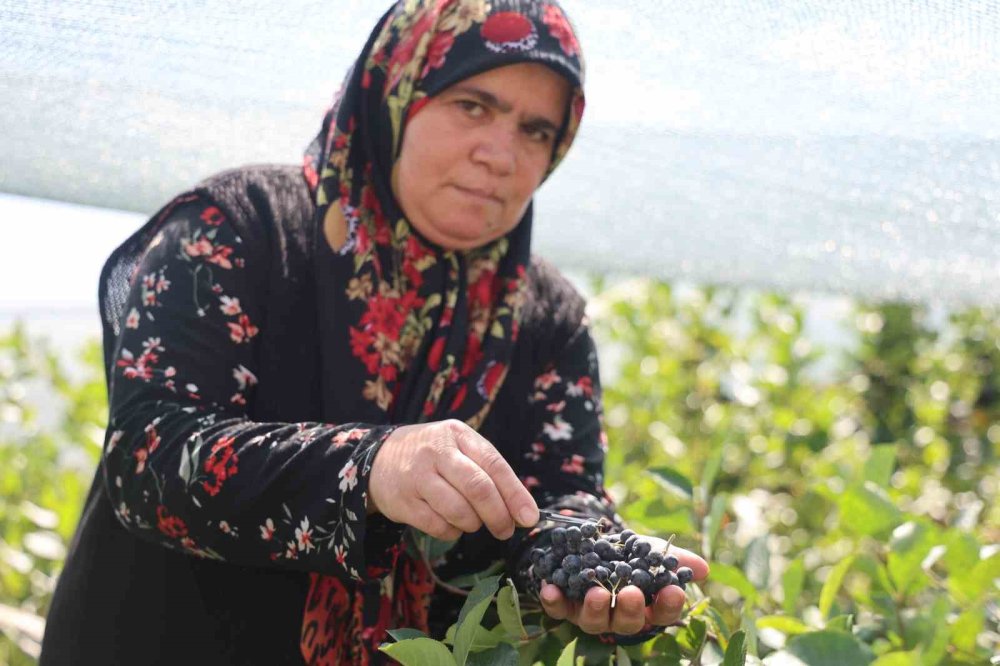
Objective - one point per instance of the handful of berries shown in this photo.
(580, 558)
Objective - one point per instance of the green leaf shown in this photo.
(908, 547)
(717, 625)
(432, 548)
(666, 651)
(844, 623)
(653, 516)
(509, 610)
(749, 627)
(482, 639)
(470, 580)
(726, 574)
(832, 585)
(712, 522)
(876, 572)
(419, 652)
(503, 654)
(710, 471)
(568, 656)
(692, 638)
(791, 583)
(592, 651)
(880, 465)
(790, 626)
(405, 634)
(673, 481)
(736, 653)
(757, 564)
(821, 648)
(935, 639)
(963, 551)
(543, 650)
(967, 628)
(978, 582)
(471, 615)
(622, 658)
(867, 510)
(898, 659)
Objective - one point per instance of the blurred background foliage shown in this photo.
(847, 498)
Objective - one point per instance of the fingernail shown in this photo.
(527, 517)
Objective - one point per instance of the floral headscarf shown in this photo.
(413, 332)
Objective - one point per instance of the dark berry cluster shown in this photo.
(580, 558)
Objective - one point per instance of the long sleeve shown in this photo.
(184, 465)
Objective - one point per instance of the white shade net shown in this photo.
(849, 147)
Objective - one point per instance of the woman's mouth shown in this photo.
(482, 195)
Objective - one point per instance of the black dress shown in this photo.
(220, 488)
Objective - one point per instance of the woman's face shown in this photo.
(474, 155)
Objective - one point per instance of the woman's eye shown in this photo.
(539, 135)
(472, 109)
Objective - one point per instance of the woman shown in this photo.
(304, 362)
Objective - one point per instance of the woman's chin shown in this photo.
(458, 237)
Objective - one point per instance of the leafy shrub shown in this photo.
(849, 509)
(51, 430)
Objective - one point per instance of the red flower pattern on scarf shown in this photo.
(560, 28)
(399, 292)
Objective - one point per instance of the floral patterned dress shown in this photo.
(189, 469)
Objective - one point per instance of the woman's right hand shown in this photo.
(444, 478)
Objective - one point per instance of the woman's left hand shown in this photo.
(630, 614)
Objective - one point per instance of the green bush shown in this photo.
(47, 456)
(848, 505)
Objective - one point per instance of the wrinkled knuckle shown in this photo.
(494, 464)
(439, 444)
(478, 488)
(454, 427)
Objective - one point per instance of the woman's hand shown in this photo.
(630, 614)
(444, 478)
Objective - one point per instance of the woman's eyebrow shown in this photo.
(489, 99)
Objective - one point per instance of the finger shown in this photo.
(595, 612)
(450, 504)
(476, 486)
(689, 559)
(667, 607)
(427, 520)
(520, 504)
(628, 616)
(553, 602)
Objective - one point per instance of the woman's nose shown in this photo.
(496, 151)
